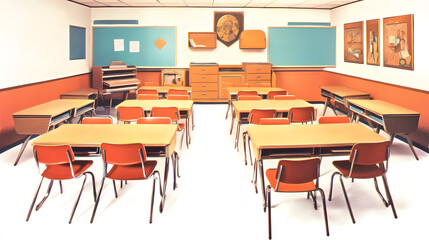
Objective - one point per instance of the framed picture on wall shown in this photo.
(373, 42)
(228, 26)
(353, 42)
(398, 42)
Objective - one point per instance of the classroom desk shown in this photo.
(184, 106)
(394, 119)
(39, 119)
(340, 94)
(163, 90)
(233, 91)
(83, 93)
(153, 136)
(296, 140)
(241, 109)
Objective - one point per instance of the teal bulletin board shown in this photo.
(302, 46)
(156, 46)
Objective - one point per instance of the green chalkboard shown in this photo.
(301, 46)
(149, 54)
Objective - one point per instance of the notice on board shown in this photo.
(118, 45)
(134, 46)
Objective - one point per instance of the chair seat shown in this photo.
(359, 171)
(62, 171)
(131, 172)
(288, 187)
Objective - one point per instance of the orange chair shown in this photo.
(177, 92)
(334, 119)
(298, 175)
(284, 97)
(271, 94)
(249, 97)
(367, 160)
(254, 117)
(174, 114)
(127, 162)
(98, 120)
(129, 114)
(60, 165)
(151, 84)
(242, 93)
(147, 91)
(147, 97)
(302, 114)
(178, 97)
(274, 121)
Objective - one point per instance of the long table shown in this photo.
(41, 118)
(153, 136)
(340, 95)
(275, 141)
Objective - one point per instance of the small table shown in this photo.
(394, 119)
(83, 93)
(92, 135)
(41, 118)
(340, 94)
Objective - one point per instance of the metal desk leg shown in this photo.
(22, 149)
(410, 143)
(326, 105)
(167, 162)
(232, 121)
(261, 172)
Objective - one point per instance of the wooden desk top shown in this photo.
(344, 91)
(182, 105)
(53, 108)
(164, 89)
(83, 93)
(92, 135)
(382, 108)
(263, 91)
(278, 105)
(311, 135)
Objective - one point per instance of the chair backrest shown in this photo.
(97, 120)
(370, 153)
(274, 121)
(271, 94)
(301, 114)
(178, 97)
(240, 85)
(255, 115)
(177, 92)
(154, 120)
(333, 119)
(127, 114)
(147, 96)
(58, 154)
(284, 97)
(151, 84)
(147, 91)
(170, 112)
(241, 93)
(249, 97)
(123, 154)
(298, 171)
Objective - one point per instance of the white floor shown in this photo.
(215, 199)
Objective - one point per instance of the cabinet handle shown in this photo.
(258, 76)
(203, 77)
(203, 94)
(203, 69)
(204, 85)
(258, 69)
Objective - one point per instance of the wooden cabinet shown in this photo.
(204, 80)
(202, 39)
(258, 74)
(229, 75)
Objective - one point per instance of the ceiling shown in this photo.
(312, 4)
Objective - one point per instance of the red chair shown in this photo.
(174, 114)
(334, 119)
(97, 120)
(284, 97)
(249, 97)
(271, 94)
(302, 114)
(60, 164)
(127, 162)
(242, 93)
(177, 92)
(147, 91)
(178, 97)
(274, 121)
(147, 97)
(254, 117)
(298, 175)
(367, 160)
(129, 114)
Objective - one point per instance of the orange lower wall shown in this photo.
(305, 85)
(18, 98)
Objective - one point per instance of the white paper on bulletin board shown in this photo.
(118, 45)
(135, 46)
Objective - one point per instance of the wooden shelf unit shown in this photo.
(258, 73)
(202, 40)
(204, 80)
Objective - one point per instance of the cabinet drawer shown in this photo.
(258, 77)
(203, 78)
(258, 68)
(203, 70)
(204, 95)
(204, 86)
(259, 84)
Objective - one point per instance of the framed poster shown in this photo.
(373, 42)
(353, 42)
(398, 42)
(228, 26)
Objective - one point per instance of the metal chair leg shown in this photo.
(77, 200)
(389, 196)
(332, 185)
(379, 193)
(244, 148)
(98, 200)
(153, 196)
(325, 213)
(46, 196)
(269, 211)
(347, 200)
(34, 200)
(114, 189)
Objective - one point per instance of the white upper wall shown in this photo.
(379, 9)
(201, 20)
(34, 40)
